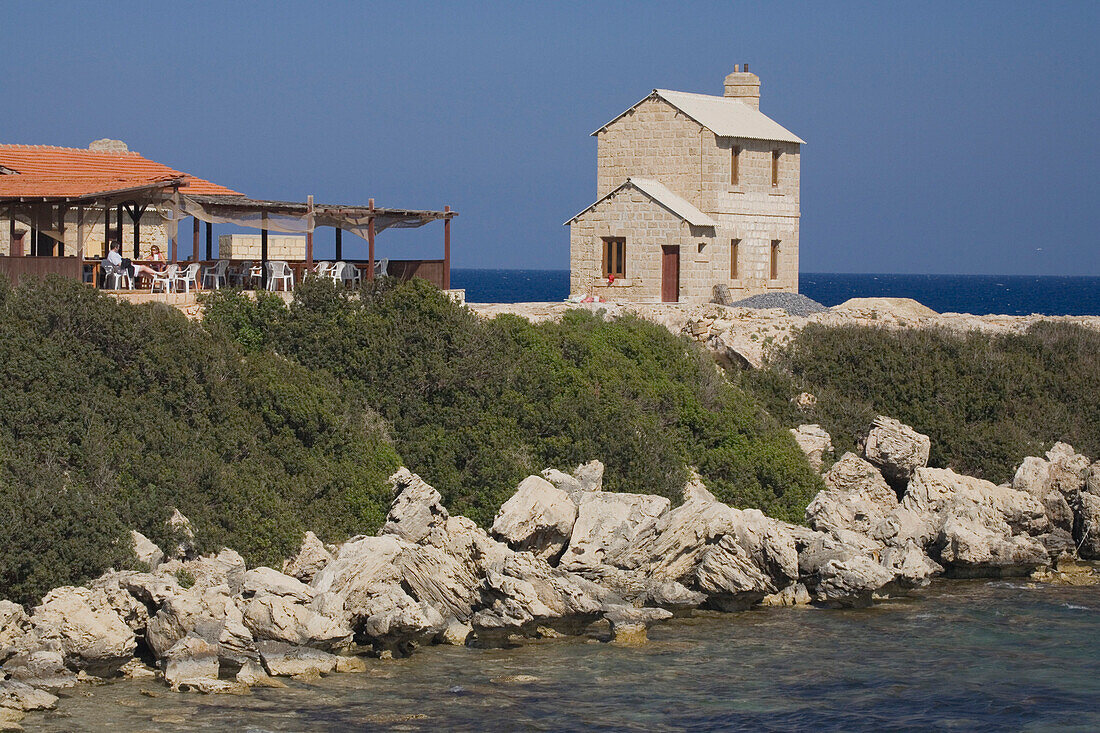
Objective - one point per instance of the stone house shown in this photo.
(693, 191)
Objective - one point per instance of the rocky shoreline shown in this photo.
(561, 556)
(742, 336)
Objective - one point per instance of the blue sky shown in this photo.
(942, 137)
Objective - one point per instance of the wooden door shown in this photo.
(670, 274)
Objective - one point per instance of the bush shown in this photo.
(985, 401)
(112, 415)
(477, 405)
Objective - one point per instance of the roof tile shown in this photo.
(78, 162)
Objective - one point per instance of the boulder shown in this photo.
(209, 613)
(146, 551)
(151, 590)
(394, 620)
(136, 669)
(439, 579)
(207, 571)
(934, 493)
(1033, 476)
(897, 449)
(456, 633)
(129, 608)
(771, 545)
(1067, 470)
(40, 668)
(589, 476)
(285, 660)
(91, 634)
(267, 581)
(374, 577)
(20, 696)
(976, 541)
(911, 566)
(527, 590)
(673, 596)
(680, 537)
(253, 674)
(538, 518)
(585, 478)
(417, 508)
(310, 560)
(14, 623)
(282, 618)
(836, 574)
(727, 574)
(629, 625)
(609, 526)
(191, 663)
(183, 535)
(1092, 479)
(814, 442)
(1089, 526)
(856, 498)
(461, 539)
(792, 595)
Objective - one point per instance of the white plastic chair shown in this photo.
(345, 272)
(381, 267)
(216, 273)
(322, 269)
(279, 270)
(241, 274)
(189, 277)
(165, 279)
(335, 271)
(118, 275)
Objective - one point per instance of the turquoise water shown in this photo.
(960, 655)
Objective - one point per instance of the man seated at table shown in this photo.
(117, 261)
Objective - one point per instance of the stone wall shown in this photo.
(705, 253)
(645, 226)
(291, 247)
(654, 140)
(152, 232)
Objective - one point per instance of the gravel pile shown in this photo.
(793, 303)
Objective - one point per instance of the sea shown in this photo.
(977, 294)
(958, 655)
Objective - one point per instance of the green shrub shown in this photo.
(112, 415)
(985, 401)
(477, 405)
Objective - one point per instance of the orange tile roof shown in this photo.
(53, 186)
(77, 163)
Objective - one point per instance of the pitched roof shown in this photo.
(80, 163)
(724, 116)
(53, 186)
(660, 194)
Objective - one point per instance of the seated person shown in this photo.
(117, 262)
(157, 266)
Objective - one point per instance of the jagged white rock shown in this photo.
(537, 518)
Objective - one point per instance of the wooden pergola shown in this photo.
(295, 216)
(43, 202)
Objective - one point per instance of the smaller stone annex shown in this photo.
(694, 191)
